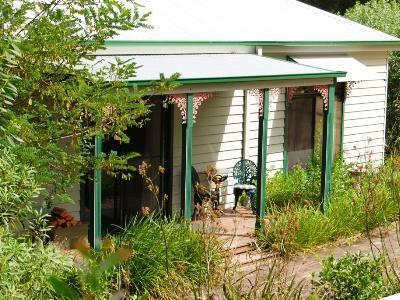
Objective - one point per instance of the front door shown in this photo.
(123, 199)
(304, 125)
(305, 116)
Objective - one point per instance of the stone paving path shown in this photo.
(238, 234)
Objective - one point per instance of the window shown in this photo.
(305, 124)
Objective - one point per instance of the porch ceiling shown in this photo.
(217, 68)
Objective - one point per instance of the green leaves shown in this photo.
(52, 101)
(354, 276)
(18, 187)
(384, 15)
(25, 268)
(90, 284)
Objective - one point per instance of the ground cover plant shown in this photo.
(354, 276)
(25, 267)
(361, 200)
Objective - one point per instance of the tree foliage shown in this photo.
(53, 102)
(384, 15)
(337, 6)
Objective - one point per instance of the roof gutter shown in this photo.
(249, 43)
(243, 79)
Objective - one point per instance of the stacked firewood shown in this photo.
(61, 218)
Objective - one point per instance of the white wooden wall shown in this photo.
(73, 208)
(217, 140)
(74, 192)
(365, 113)
(275, 138)
(226, 131)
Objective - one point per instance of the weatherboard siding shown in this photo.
(365, 113)
(217, 141)
(74, 207)
(275, 137)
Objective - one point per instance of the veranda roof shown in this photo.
(216, 68)
(253, 22)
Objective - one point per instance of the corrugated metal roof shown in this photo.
(251, 20)
(356, 70)
(198, 68)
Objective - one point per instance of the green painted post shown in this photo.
(183, 170)
(97, 197)
(262, 161)
(285, 136)
(328, 150)
(342, 128)
(186, 190)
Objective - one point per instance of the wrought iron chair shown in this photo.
(245, 172)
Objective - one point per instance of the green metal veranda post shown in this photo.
(285, 136)
(97, 197)
(186, 183)
(262, 161)
(328, 150)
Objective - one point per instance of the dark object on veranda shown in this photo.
(218, 180)
(245, 173)
(200, 192)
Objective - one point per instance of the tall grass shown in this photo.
(168, 263)
(270, 283)
(359, 203)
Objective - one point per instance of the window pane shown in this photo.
(300, 130)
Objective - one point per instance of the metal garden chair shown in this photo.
(245, 173)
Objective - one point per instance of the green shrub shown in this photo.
(25, 268)
(18, 187)
(354, 276)
(283, 190)
(190, 261)
(303, 185)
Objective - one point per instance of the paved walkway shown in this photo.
(238, 235)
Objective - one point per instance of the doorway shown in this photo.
(305, 116)
(124, 199)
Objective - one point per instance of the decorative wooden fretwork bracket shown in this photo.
(259, 94)
(320, 89)
(349, 87)
(180, 100)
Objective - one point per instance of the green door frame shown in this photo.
(167, 138)
(96, 227)
(186, 165)
(328, 149)
(262, 160)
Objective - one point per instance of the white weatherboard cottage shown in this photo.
(281, 67)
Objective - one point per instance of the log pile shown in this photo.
(61, 218)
